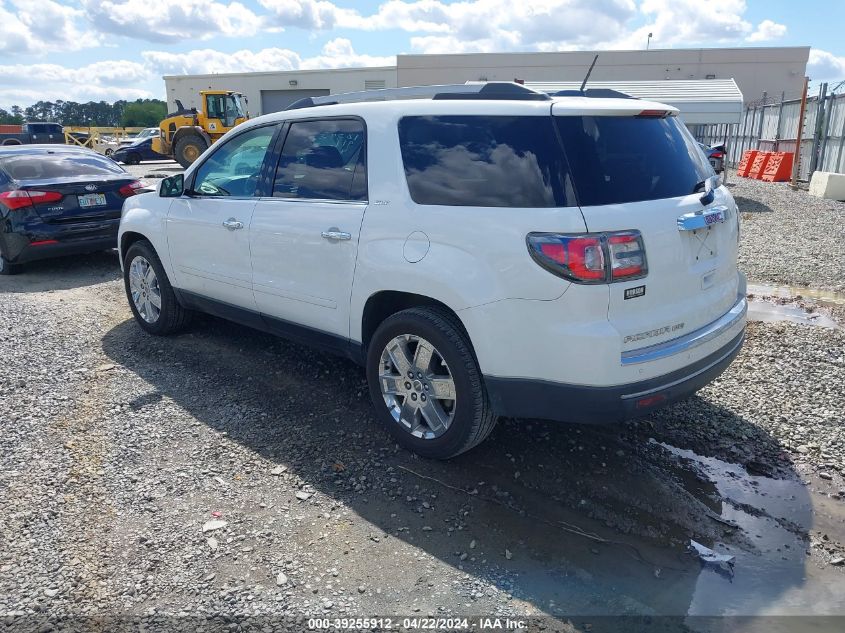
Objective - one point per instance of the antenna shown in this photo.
(587, 78)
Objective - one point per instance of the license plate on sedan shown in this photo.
(90, 200)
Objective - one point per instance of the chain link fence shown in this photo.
(772, 126)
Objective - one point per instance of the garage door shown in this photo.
(276, 100)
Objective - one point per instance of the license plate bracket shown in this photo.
(702, 219)
(91, 200)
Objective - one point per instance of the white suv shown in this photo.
(483, 250)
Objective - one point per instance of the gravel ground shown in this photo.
(790, 237)
(224, 474)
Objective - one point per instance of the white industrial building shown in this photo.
(754, 71)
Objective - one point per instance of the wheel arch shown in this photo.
(127, 239)
(189, 129)
(385, 303)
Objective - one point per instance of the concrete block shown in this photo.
(828, 185)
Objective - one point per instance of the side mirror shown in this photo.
(172, 186)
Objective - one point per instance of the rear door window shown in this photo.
(484, 161)
(59, 165)
(323, 160)
(617, 159)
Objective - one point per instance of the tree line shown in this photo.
(139, 113)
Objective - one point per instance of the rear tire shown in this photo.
(470, 417)
(8, 268)
(167, 318)
(189, 148)
(133, 159)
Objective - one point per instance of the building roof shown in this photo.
(699, 100)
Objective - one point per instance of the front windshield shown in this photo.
(236, 104)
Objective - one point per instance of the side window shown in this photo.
(234, 168)
(323, 160)
(214, 106)
(55, 129)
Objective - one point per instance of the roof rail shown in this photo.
(491, 90)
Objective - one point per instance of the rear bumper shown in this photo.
(529, 398)
(37, 241)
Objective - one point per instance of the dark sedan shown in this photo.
(138, 151)
(58, 200)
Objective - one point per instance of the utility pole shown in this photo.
(648, 41)
(797, 162)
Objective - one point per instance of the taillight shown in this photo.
(20, 198)
(627, 255)
(131, 189)
(590, 258)
(717, 155)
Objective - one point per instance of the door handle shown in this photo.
(233, 225)
(335, 234)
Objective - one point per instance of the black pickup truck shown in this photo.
(34, 132)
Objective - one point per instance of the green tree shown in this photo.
(10, 118)
(143, 113)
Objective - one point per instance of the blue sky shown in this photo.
(112, 49)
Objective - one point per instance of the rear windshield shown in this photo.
(59, 165)
(544, 161)
(628, 159)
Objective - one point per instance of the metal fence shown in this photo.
(772, 126)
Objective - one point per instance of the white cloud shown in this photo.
(42, 27)
(208, 61)
(309, 14)
(24, 84)
(171, 20)
(767, 31)
(824, 66)
(337, 53)
(501, 25)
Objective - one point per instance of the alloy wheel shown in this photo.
(417, 386)
(146, 293)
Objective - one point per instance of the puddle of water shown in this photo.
(773, 575)
(759, 310)
(820, 297)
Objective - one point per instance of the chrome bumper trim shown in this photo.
(669, 385)
(688, 341)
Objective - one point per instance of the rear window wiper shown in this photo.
(708, 186)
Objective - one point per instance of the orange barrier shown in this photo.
(746, 161)
(779, 167)
(759, 165)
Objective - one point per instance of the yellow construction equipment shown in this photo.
(188, 132)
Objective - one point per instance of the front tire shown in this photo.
(188, 149)
(425, 383)
(133, 159)
(151, 297)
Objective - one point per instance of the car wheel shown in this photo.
(133, 159)
(151, 297)
(426, 385)
(109, 151)
(7, 268)
(189, 148)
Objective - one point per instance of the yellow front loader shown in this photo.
(187, 133)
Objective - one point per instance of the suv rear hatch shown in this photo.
(635, 166)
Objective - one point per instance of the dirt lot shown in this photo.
(224, 474)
